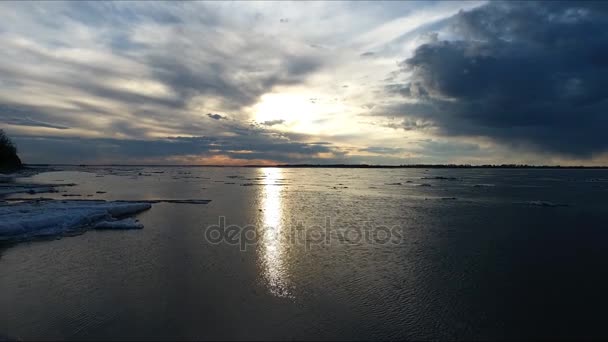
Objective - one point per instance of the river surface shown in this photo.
(286, 253)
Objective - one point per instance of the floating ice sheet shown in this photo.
(26, 220)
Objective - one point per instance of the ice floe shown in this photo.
(483, 185)
(128, 223)
(182, 201)
(546, 204)
(26, 172)
(26, 220)
(16, 188)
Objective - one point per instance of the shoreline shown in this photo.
(336, 166)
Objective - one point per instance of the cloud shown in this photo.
(253, 145)
(273, 122)
(381, 150)
(216, 116)
(137, 63)
(28, 116)
(523, 74)
(29, 122)
(530, 75)
(409, 124)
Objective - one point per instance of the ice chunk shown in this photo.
(546, 204)
(128, 223)
(7, 178)
(13, 188)
(127, 208)
(8, 188)
(440, 178)
(181, 201)
(26, 220)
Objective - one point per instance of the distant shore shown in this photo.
(346, 166)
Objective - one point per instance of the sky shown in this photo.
(236, 83)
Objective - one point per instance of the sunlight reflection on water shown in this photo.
(272, 247)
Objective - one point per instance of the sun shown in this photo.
(290, 108)
(302, 111)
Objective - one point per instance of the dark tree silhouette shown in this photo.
(8, 153)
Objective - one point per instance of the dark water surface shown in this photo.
(476, 254)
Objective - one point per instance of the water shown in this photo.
(489, 264)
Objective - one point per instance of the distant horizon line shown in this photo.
(346, 166)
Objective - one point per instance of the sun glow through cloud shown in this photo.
(290, 108)
(302, 112)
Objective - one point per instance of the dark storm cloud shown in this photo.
(526, 74)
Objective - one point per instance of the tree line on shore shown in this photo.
(9, 160)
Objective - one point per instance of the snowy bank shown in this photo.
(26, 220)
